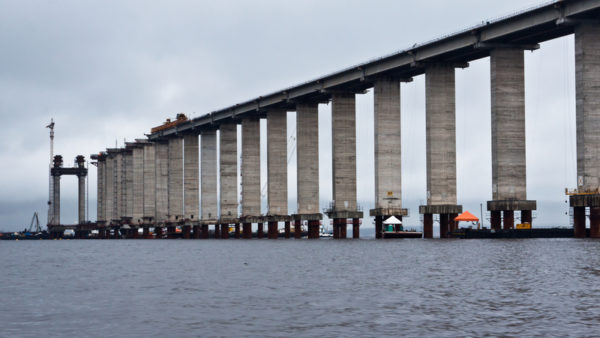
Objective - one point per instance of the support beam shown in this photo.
(138, 184)
(127, 185)
(307, 156)
(81, 198)
(109, 189)
(191, 189)
(343, 121)
(118, 182)
(149, 213)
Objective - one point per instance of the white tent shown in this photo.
(392, 220)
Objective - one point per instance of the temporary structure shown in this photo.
(466, 217)
(392, 221)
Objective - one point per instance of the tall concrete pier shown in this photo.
(307, 159)
(343, 122)
(191, 186)
(587, 85)
(208, 183)
(229, 177)
(138, 182)
(109, 188)
(277, 170)
(161, 157)
(149, 212)
(440, 123)
(101, 188)
(509, 184)
(251, 199)
(388, 164)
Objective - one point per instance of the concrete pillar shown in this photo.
(101, 169)
(344, 228)
(251, 167)
(343, 121)
(427, 225)
(127, 184)
(149, 211)
(175, 180)
(277, 162)
(388, 178)
(138, 184)
(307, 155)
(119, 198)
(587, 87)
(209, 175)
(228, 170)
(56, 200)
(162, 181)
(508, 124)
(440, 135)
(191, 192)
(508, 219)
(594, 222)
(579, 222)
(109, 189)
(81, 198)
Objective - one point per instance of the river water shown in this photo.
(325, 288)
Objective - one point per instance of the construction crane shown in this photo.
(50, 183)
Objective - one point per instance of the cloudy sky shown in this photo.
(110, 70)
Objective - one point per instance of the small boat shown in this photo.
(325, 233)
(392, 228)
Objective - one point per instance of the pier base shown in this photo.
(272, 230)
(378, 226)
(594, 222)
(186, 231)
(260, 230)
(247, 231)
(217, 231)
(287, 229)
(237, 230)
(196, 231)
(297, 229)
(224, 231)
(355, 228)
(495, 219)
(508, 221)
(427, 225)
(204, 231)
(579, 222)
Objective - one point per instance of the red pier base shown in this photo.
(526, 216)
(186, 231)
(237, 230)
(594, 222)
(272, 230)
(313, 229)
(159, 232)
(452, 223)
(287, 229)
(298, 229)
(171, 231)
(508, 221)
(355, 228)
(579, 222)
(224, 231)
(217, 231)
(495, 220)
(378, 226)
(247, 231)
(196, 232)
(146, 232)
(260, 231)
(427, 225)
(444, 226)
(204, 231)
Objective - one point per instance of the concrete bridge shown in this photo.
(155, 182)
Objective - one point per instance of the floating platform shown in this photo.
(401, 234)
(514, 233)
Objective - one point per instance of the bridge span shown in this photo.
(155, 182)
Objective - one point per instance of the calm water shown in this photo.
(325, 288)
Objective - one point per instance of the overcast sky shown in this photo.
(110, 70)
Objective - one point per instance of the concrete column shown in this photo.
(175, 180)
(508, 219)
(162, 181)
(228, 171)
(388, 178)
(587, 86)
(149, 211)
(119, 198)
(495, 219)
(440, 135)
(307, 155)
(277, 162)
(127, 184)
(56, 200)
(81, 198)
(508, 124)
(343, 118)
(101, 166)
(209, 175)
(444, 226)
(191, 192)
(251, 167)
(138, 184)
(109, 189)
(595, 222)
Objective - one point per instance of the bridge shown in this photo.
(155, 181)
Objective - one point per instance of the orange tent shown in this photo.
(466, 217)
